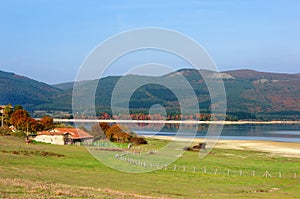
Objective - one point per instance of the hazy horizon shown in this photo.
(161, 74)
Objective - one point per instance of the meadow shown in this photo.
(52, 171)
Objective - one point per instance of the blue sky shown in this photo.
(48, 40)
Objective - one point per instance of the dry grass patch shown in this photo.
(20, 188)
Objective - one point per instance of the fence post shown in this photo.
(204, 170)
(216, 171)
(228, 172)
(253, 173)
(174, 167)
(194, 169)
(295, 175)
(241, 172)
(279, 174)
(183, 168)
(267, 174)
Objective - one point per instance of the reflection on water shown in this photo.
(275, 132)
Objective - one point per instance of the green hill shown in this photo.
(16, 89)
(272, 95)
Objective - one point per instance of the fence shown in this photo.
(209, 171)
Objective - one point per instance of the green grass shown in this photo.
(38, 170)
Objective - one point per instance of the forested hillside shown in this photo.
(271, 95)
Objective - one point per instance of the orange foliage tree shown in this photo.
(116, 133)
(46, 123)
(104, 126)
(22, 121)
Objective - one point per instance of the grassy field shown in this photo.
(51, 171)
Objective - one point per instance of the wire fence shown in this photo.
(210, 170)
(235, 172)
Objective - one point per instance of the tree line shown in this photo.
(18, 119)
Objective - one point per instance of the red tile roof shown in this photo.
(74, 133)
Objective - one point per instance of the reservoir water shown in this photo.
(272, 132)
(284, 132)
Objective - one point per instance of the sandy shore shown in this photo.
(287, 149)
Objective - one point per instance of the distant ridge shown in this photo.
(64, 86)
(260, 93)
(247, 73)
(68, 85)
(17, 89)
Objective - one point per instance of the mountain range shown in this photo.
(271, 95)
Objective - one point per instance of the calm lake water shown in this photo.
(273, 132)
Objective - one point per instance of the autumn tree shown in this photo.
(31, 125)
(118, 133)
(7, 113)
(115, 133)
(18, 116)
(22, 121)
(17, 107)
(104, 126)
(46, 123)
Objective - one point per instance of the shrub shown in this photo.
(5, 130)
(138, 140)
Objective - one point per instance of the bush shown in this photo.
(116, 134)
(19, 134)
(5, 130)
(138, 140)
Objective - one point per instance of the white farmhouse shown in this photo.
(63, 136)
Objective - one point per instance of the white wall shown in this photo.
(53, 139)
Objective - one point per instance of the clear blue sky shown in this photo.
(47, 40)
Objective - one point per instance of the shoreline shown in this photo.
(286, 149)
(176, 121)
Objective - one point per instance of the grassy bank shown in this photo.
(32, 170)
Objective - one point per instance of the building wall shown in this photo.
(52, 139)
